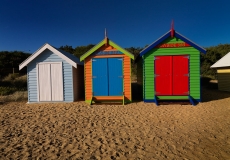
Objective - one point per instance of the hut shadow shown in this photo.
(210, 92)
(137, 92)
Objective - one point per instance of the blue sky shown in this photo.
(25, 25)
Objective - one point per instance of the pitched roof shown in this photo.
(111, 43)
(167, 35)
(223, 62)
(71, 59)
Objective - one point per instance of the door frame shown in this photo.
(38, 87)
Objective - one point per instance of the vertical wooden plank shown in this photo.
(56, 82)
(44, 82)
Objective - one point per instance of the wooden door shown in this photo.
(107, 76)
(180, 75)
(171, 75)
(163, 75)
(100, 77)
(56, 82)
(115, 78)
(50, 81)
(44, 82)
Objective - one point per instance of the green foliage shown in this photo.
(213, 54)
(13, 83)
(78, 51)
(7, 90)
(9, 61)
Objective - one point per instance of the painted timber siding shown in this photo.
(127, 78)
(194, 69)
(223, 79)
(48, 56)
(88, 78)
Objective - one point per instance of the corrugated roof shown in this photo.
(223, 62)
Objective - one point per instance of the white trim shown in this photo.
(40, 50)
(223, 62)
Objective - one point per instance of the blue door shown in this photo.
(100, 76)
(115, 76)
(107, 76)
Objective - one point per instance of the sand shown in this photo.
(134, 131)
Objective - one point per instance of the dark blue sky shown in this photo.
(25, 25)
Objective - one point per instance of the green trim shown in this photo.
(96, 47)
(172, 97)
(88, 102)
(121, 49)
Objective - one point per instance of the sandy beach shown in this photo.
(134, 131)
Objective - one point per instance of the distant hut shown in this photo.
(169, 69)
(107, 73)
(53, 75)
(223, 72)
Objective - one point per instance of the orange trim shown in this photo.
(88, 78)
(108, 98)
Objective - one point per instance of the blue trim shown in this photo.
(167, 35)
(156, 100)
(154, 44)
(191, 100)
(149, 100)
(178, 35)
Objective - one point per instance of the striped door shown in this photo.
(107, 76)
(50, 82)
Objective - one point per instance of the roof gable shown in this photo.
(223, 62)
(71, 59)
(103, 42)
(167, 35)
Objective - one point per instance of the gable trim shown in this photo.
(167, 35)
(111, 43)
(43, 48)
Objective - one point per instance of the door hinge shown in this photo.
(155, 58)
(121, 59)
(93, 60)
(121, 76)
(186, 75)
(156, 75)
(186, 57)
(94, 76)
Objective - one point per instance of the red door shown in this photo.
(171, 75)
(180, 75)
(163, 75)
